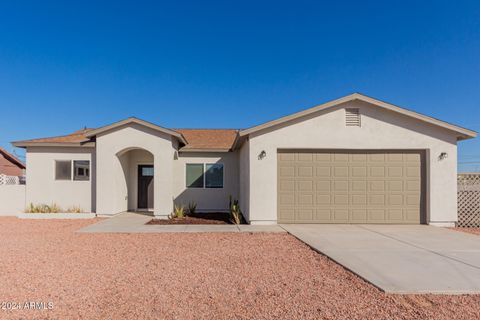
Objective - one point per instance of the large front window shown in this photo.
(200, 175)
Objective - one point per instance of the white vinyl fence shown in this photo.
(468, 193)
(11, 180)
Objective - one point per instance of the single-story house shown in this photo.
(352, 160)
(10, 165)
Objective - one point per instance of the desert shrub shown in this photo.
(74, 209)
(43, 208)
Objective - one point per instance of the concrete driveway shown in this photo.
(400, 259)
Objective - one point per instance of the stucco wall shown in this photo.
(41, 184)
(207, 199)
(112, 191)
(380, 129)
(244, 179)
(12, 199)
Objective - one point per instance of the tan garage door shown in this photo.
(350, 186)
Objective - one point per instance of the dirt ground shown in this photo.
(190, 276)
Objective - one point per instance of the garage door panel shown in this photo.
(358, 215)
(323, 215)
(350, 187)
(323, 199)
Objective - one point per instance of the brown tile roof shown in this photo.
(198, 139)
(9, 164)
(208, 139)
(74, 137)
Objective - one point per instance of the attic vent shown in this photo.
(352, 117)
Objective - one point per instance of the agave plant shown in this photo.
(192, 207)
(236, 215)
(178, 211)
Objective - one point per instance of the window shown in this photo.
(63, 170)
(201, 175)
(81, 170)
(147, 171)
(352, 117)
(194, 175)
(214, 175)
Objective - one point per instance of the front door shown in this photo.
(145, 187)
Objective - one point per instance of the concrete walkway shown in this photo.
(400, 259)
(129, 222)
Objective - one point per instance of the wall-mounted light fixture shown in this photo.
(175, 155)
(443, 156)
(262, 155)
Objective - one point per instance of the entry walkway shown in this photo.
(129, 222)
(400, 259)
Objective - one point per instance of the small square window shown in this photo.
(214, 175)
(63, 170)
(81, 170)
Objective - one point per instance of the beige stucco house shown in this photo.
(352, 160)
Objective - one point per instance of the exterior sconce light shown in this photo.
(175, 155)
(262, 155)
(443, 156)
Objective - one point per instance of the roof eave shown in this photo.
(219, 150)
(26, 144)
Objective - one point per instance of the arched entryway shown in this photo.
(138, 172)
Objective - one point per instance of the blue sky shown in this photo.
(65, 65)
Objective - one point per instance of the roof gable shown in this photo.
(463, 133)
(140, 122)
(11, 158)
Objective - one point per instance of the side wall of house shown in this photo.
(207, 199)
(244, 179)
(380, 130)
(42, 188)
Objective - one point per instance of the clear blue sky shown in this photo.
(69, 64)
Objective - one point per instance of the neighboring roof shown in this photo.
(208, 139)
(463, 133)
(10, 157)
(77, 138)
(130, 120)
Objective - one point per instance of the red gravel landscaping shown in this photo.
(191, 276)
(468, 230)
(197, 218)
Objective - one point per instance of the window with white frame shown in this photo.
(78, 170)
(81, 170)
(204, 175)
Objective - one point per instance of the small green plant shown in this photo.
(236, 215)
(192, 207)
(178, 212)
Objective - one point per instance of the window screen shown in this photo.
(81, 170)
(63, 170)
(214, 175)
(194, 175)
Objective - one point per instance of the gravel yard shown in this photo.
(191, 276)
(468, 230)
